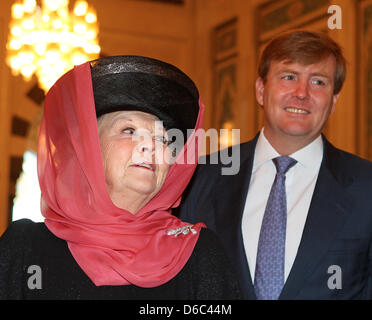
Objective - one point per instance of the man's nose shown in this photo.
(302, 89)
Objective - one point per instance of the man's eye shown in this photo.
(319, 82)
(288, 77)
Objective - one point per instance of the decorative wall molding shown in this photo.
(365, 78)
(225, 68)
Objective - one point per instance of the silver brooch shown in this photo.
(183, 230)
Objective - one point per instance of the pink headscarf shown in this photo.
(111, 245)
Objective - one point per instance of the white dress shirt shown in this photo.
(300, 184)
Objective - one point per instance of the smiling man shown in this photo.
(298, 215)
(297, 88)
(297, 102)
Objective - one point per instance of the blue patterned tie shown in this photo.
(269, 274)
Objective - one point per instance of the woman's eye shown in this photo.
(128, 131)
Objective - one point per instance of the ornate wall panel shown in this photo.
(225, 68)
(24, 136)
(365, 77)
(274, 16)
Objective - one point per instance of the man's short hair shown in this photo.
(304, 47)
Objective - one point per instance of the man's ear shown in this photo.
(259, 90)
(334, 100)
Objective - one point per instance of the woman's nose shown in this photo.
(146, 144)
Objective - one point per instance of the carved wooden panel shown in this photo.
(225, 68)
(365, 78)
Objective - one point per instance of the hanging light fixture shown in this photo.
(49, 40)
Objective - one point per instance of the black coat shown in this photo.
(27, 244)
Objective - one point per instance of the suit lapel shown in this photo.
(229, 210)
(329, 207)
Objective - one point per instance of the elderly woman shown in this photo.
(109, 178)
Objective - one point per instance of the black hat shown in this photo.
(148, 85)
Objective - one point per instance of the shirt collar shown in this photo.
(264, 151)
(309, 156)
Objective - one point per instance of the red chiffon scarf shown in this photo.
(112, 246)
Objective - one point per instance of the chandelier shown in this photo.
(49, 40)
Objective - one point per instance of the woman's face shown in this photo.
(135, 157)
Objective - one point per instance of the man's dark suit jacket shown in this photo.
(337, 237)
